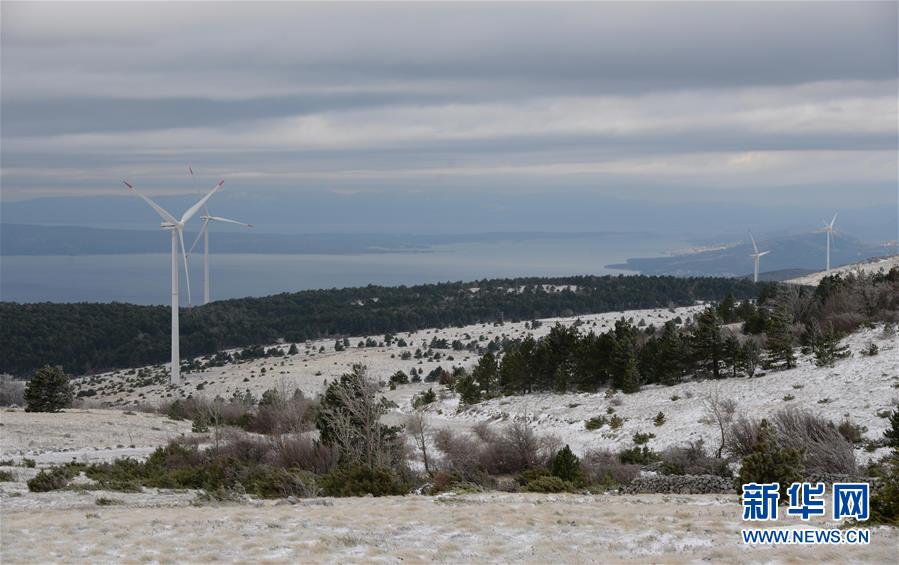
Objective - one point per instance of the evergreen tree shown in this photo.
(780, 340)
(468, 389)
(671, 355)
(625, 371)
(827, 348)
(707, 343)
(293, 349)
(891, 434)
(727, 309)
(566, 465)
(732, 352)
(769, 463)
(485, 373)
(750, 357)
(48, 390)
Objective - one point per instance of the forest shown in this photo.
(92, 337)
(729, 338)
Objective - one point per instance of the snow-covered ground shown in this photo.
(471, 528)
(311, 368)
(857, 388)
(874, 265)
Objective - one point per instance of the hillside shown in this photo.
(88, 338)
(878, 264)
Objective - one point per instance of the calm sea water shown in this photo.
(144, 279)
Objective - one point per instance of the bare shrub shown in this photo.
(692, 459)
(742, 435)
(417, 427)
(461, 454)
(12, 391)
(512, 450)
(302, 452)
(720, 413)
(825, 448)
(601, 466)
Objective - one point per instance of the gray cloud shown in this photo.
(671, 98)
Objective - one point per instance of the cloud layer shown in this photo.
(705, 101)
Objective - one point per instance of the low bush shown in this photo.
(54, 478)
(641, 438)
(826, 449)
(509, 451)
(638, 456)
(603, 467)
(595, 423)
(6, 477)
(770, 463)
(548, 484)
(692, 459)
(361, 481)
(659, 420)
(616, 421)
(424, 398)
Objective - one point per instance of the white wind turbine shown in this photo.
(756, 255)
(204, 233)
(177, 228)
(828, 229)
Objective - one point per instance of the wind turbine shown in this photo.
(177, 228)
(204, 233)
(756, 255)
(828, 229)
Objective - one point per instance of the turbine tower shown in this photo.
(756, 255)
(204, 233)
(176, 227)
(828, 230)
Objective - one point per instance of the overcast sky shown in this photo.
(762, 101)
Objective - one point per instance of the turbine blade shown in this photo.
(226, 220)
(199, 235)
(186, 271)
(193, 209)
(159, 209)
(834, 219)
(764, 253)
(754, 246)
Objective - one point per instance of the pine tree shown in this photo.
(780, 340)
(670, 355)
(891, 434)
(707, 342)
(732, 353)
(468, 389)
(827, 348)
(750, 357)
(768, 463)
(48, 390)
(625, 370)
(485, 373)
(566, 465)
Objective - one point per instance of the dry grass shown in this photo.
(483, 528)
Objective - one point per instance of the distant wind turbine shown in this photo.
(177, 228)
(828, 229)
(756, 255)
(204, 233)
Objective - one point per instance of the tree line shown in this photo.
(729, 338)
(92, 337)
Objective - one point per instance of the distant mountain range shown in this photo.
(24, 239)
(790, 257)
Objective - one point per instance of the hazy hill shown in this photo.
(795, 255)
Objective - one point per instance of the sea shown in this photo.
(145, 278)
